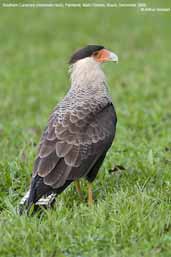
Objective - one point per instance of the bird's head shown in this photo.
(95, 52)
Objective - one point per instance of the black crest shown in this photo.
(84, 52)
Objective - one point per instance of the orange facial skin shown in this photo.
(102, 56)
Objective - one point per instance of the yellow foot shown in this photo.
(78, 188)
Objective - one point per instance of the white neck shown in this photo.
(87, 72)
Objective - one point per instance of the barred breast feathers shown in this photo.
(88, 90)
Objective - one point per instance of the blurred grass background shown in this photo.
(132, 213)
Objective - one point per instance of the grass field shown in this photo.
(132, 213)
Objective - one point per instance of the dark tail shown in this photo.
(37, 190)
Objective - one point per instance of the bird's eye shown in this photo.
(95, 53)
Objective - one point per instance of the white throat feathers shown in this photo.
(86, 71)
(87, 75)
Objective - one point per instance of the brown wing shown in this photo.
(73, 142)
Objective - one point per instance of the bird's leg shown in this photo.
(78, 188)
(90, 194)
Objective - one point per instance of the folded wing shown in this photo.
(73, 142)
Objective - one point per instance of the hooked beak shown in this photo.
(105, 55)
(113, 57)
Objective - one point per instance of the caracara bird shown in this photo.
(80, 130)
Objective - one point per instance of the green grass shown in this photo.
(132, 212)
